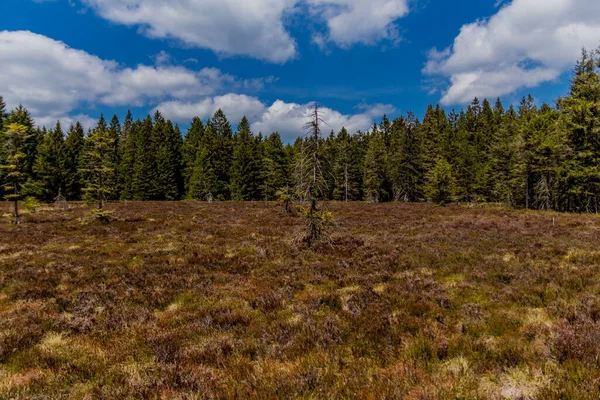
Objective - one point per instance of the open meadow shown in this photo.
(189, 300)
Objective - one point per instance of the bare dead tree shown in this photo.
(312, 183)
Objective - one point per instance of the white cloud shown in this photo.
(285, 118)
(359, 21)
(525, 44)
(254, 28)
(229, 27)
(66, 121)
(235, 107)
(52, 79)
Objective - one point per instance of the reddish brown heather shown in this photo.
(193, 300)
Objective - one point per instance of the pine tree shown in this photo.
(114, 132)
(581, 121)
(51, 164)
(2, 136)
(124, 167)
(144, 166)
(99, 167)
(2, 114)
(406, 160)
(128, 161)
(74, 145)
(245, 169)
(168, 162)
(346, 167)
(14, 167)
(21, 116)
(222, 156)
(275, 166)
(203, 181)
(189, 150)
(375, 169)
(441, 185)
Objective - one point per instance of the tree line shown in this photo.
(545, 157)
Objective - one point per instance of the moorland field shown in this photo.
(189, 300)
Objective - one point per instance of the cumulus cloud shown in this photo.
(359, 21)
(52, 79)
(254, 28)
(285, 118)
(229, 27)
(66, 121)
(523, 45)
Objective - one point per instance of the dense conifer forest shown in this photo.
(534, 157)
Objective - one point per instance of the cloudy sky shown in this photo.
(268, 59)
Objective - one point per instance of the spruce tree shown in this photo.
(51, 164)
(580, 120)
(406, 160)
(346, 168)
(275, 166)
(222, 156)
(98, 166)
(168, 162)
(203, 181)
(245, 169)
(21, 116)
(13, 165)
(129, 145)
(189, 150)
(74, 145)
(441, 184)
(375, 169)
(144, 167)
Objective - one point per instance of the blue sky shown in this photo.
(268, 59)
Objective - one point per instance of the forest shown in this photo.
(533, 157)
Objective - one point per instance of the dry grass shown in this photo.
(192, 300)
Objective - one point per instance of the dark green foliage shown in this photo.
(168, 162)
(98, 166)
(375, 172)
(246, 166)
(14, 166)
(189, 150)
(143, 181)
(222, 156)
(203, 180)
(275, 166)
(74, 145)
(441, 185)
(526, 157)
(406, 166)
(51, 167)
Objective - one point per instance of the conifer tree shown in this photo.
(346, 168)
(581, 121)
(245, 169)
(406, 168)
(168, 162)
(21, 116)
(144, 166)
(203, 181)
(74, 145)
(189, 150)
(375, 168)
(2, 114)
(441, 185)
(14, 167)
(98, 166)
(124, 168)
(128, 160)
(51, 164)
(222, 156)
(275, 166)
